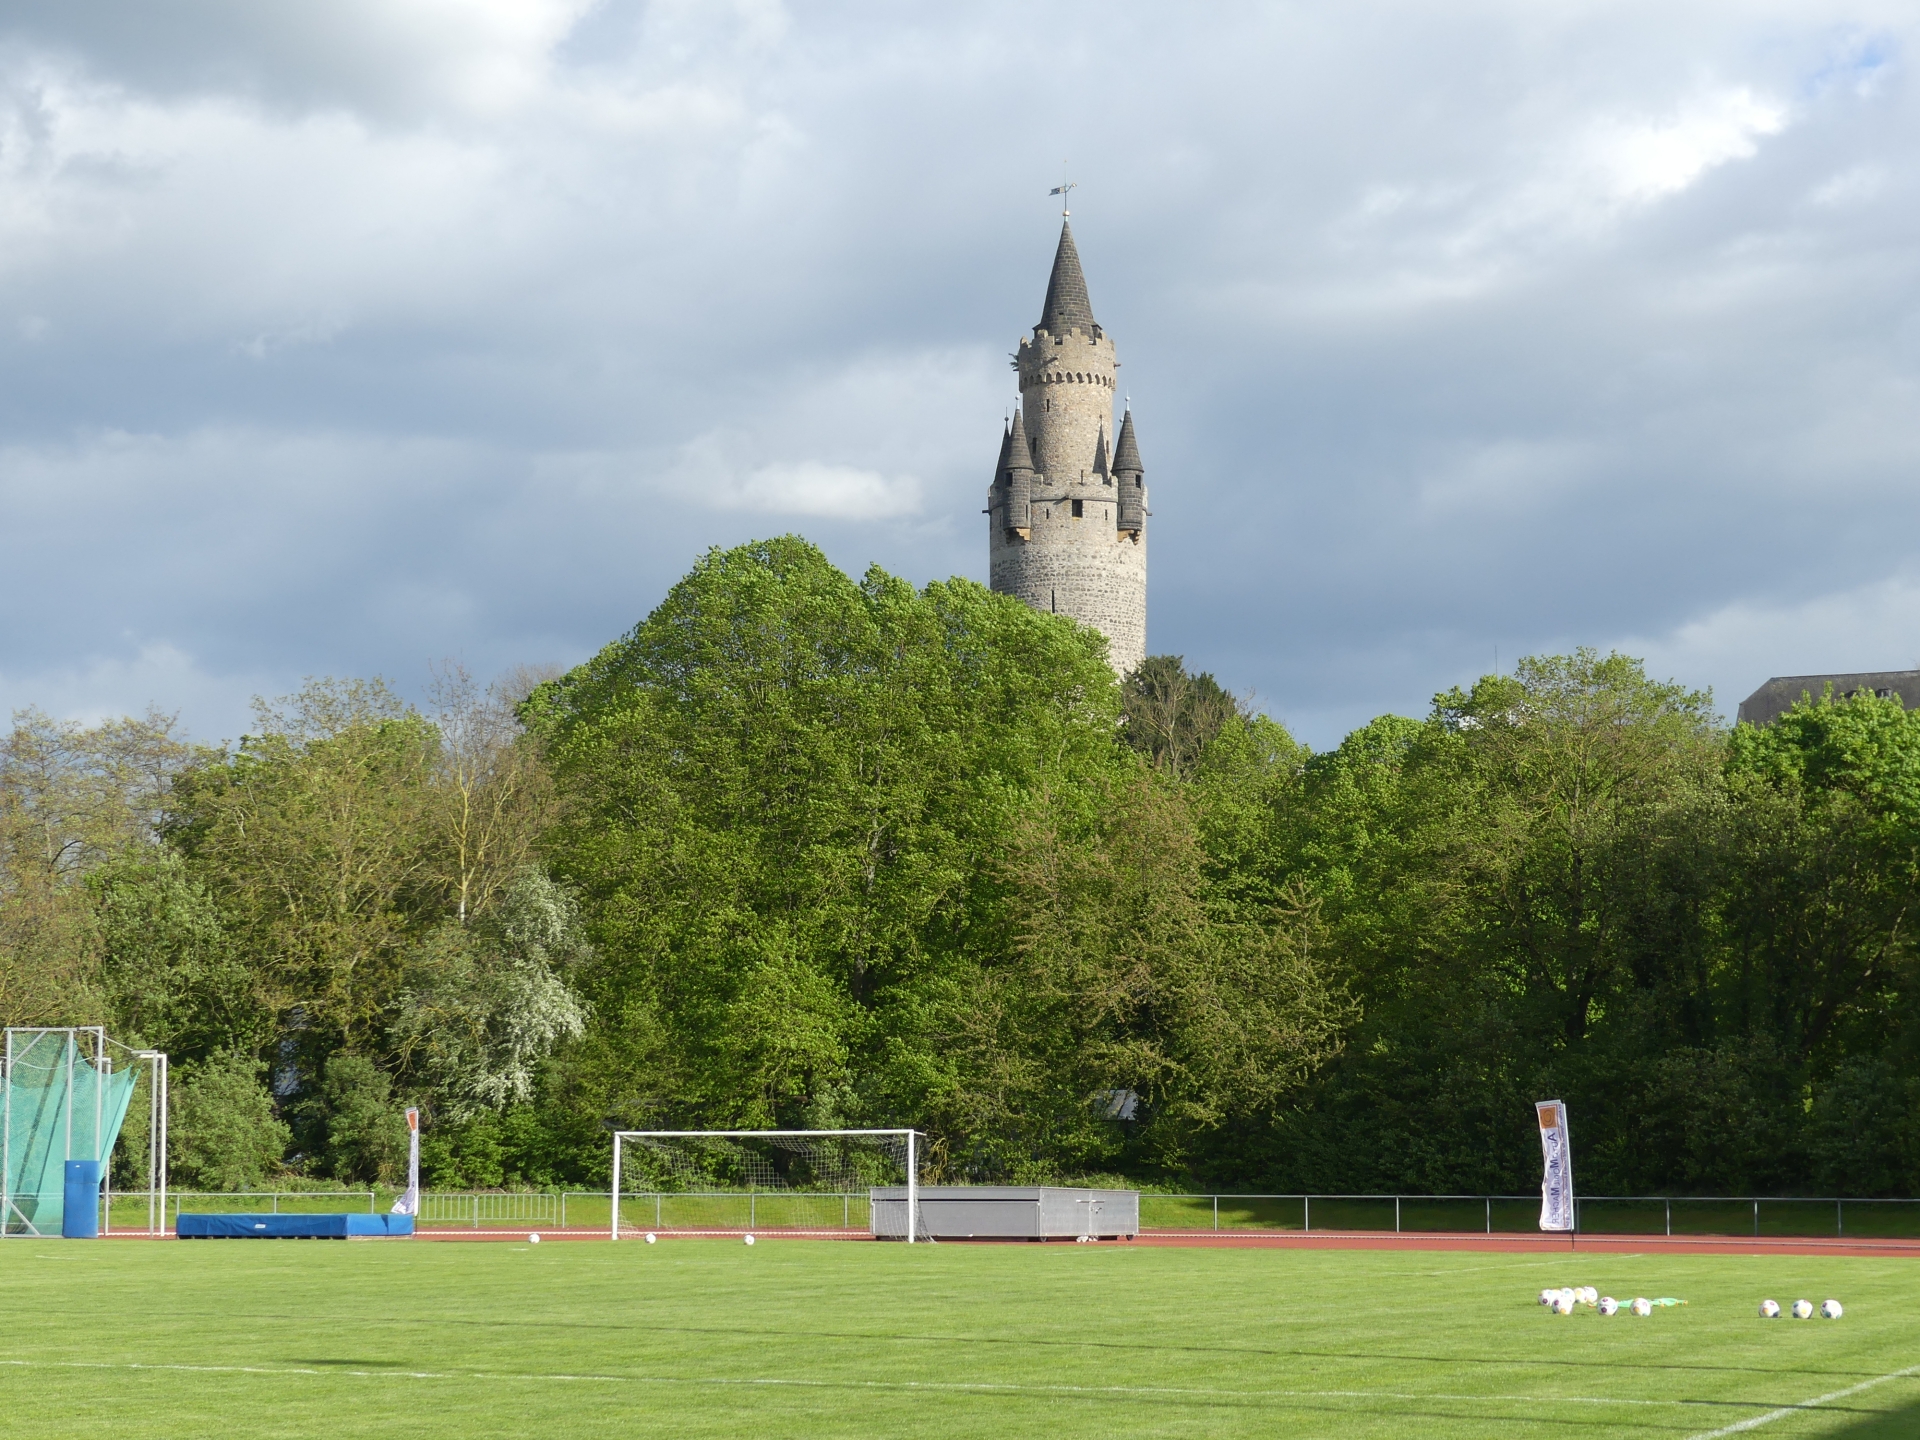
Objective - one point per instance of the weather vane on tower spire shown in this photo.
(1063, 190)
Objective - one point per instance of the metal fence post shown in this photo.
(752, 1201)
(1669, 1217)
(1306, 1214)
(1489, 1215)
(846, 1212)
(1756, 1219)
(1216, 1212)
(1839, 1222)
(1396, 1214)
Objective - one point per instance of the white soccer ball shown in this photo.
(1642, 1305)
(1547, 1296)
(749, 1239)
(533, 1239)
(1607, 1305)
(1769, 1309)
(1803, 1309)
(1588, 1295)
(1563, 1303)
(1831, 1309)
(651, 1237)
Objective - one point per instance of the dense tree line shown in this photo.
(805, 850)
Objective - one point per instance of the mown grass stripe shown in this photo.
(959, 1386)
(1740, 1427)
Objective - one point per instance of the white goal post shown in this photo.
(737, 1148)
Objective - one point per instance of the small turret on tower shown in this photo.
(1130, 479)
(1018, 468)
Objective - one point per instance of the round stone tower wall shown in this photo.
(1074, 559)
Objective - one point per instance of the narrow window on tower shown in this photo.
(1076, 509)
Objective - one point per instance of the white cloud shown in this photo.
(811, 488)
(1643, 159)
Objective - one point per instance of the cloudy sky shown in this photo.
(343, 337)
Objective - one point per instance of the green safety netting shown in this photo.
(59, 1106)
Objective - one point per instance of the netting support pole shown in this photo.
(913, 1185)
(616, 1188)
(6, 1143)
(73, 1047)
(153, 1143)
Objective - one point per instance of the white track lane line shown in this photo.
(957, 1386)
(1742, 1426)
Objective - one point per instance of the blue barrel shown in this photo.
(80, 1216)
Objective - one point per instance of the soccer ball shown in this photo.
(1547, 1296)
(749, 1239)
(1769, 1309)
(1588, 1295)
(1803, 1309)
(651, 1237)
(1831, 1309)
(1563, 1303)
(1607, 1305)
(1642, 1305)
(533, 1239)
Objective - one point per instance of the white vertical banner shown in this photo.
(409, 1203)
(1556, 1151)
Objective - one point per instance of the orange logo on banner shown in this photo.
(1549, 1117)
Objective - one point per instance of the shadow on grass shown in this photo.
(1899, 1420)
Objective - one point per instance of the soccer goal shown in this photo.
(760, 1179)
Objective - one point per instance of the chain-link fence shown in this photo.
(1759, 1216)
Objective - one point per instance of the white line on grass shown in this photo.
(1739, 1427)
(964, 1386)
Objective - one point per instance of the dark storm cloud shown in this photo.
(343, 338)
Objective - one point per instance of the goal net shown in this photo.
(64, 1095)
(745, 1180)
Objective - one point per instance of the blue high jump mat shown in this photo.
(292, 1227)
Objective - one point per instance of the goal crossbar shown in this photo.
(911, 1138)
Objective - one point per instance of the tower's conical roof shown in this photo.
(1006, 444)
(1067, 305)
(1100, 454)
(1126, 452)
(1019, 456)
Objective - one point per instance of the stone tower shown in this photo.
(1067, 512)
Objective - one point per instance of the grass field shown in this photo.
(797, 1338)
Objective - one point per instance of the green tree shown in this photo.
(827, 836)
(224, 1134)
(315, 838)
(1172, 715)
(170, 970)
(362, 1132)
(486, 1002)
(72, 799)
